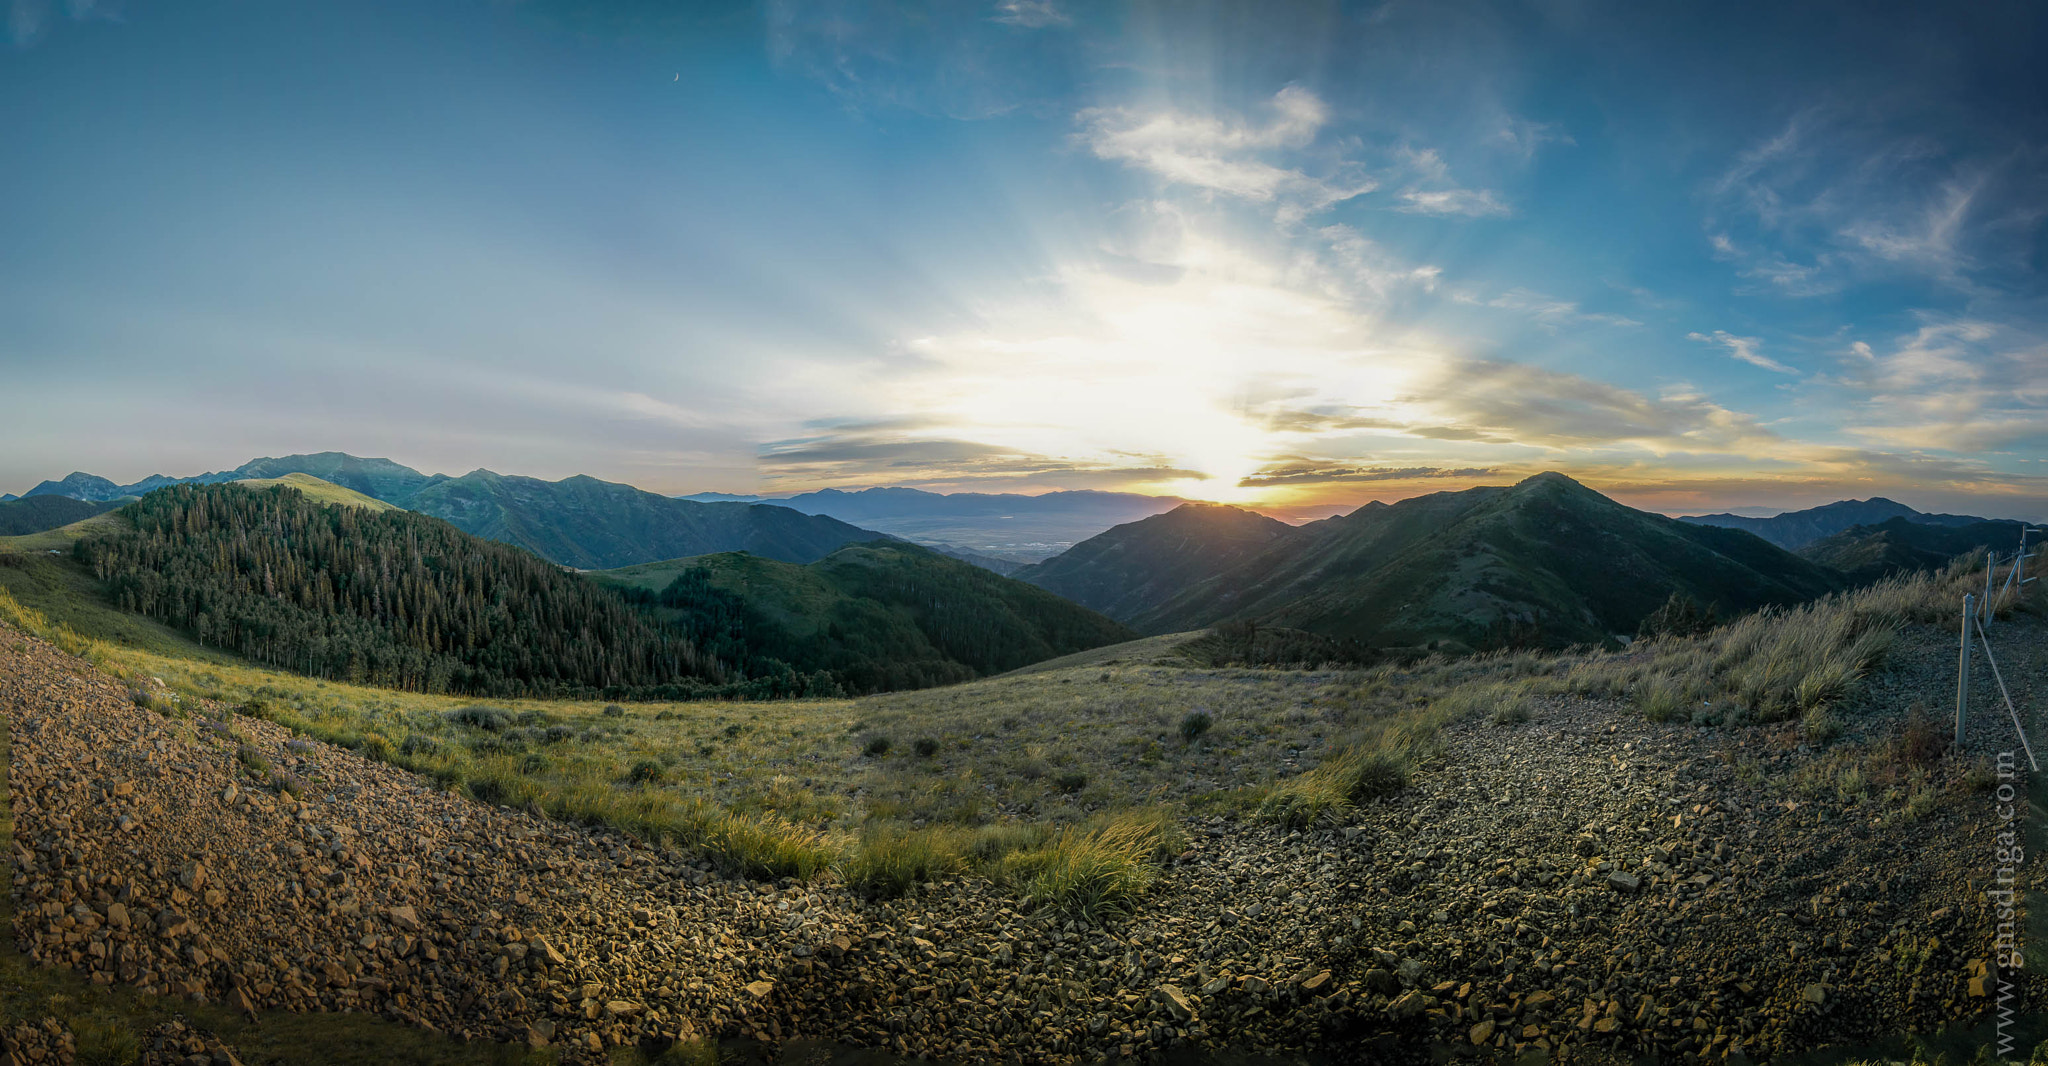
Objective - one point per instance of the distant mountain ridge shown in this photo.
(578, 521)
(595, 525)
(378, 478)
(1545, 562)
(1793, 530)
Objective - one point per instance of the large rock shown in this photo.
(1176, 1003)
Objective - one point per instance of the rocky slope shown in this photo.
(1584, 885)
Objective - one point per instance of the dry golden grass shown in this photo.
(1776, 664)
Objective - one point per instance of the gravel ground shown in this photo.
(1584, 886)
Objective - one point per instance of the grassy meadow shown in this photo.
(1064, 780)
(322, 491)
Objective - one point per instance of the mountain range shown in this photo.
(578, 521)
(1546, 561)
(1793, 530)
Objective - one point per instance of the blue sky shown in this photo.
(1298, 256)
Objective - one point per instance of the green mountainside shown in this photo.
(1545, 562)
(876, 616)
(321, 491)
(1903, 545)
(34, 514)
(1136, 567)
(389, 598)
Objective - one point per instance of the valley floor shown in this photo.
(1583, 886)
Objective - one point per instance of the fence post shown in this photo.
(1963, 667)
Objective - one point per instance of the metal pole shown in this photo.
(1963, 668)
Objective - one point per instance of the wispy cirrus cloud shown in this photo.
(1838, 195)
(1742, 348)
(1230, 155)
(1432, 191)
(1551, 311)
(1031, 14)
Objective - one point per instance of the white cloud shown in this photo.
(1953, 384)
(1523, 137)
(1743, 348)
(1227, 155)
(1471, 203)
(1360, 270)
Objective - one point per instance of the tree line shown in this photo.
(398, 600)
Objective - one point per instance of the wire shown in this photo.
(2010, 709)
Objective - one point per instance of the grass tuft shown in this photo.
(1096, 874)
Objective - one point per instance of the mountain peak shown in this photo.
(1550, 478)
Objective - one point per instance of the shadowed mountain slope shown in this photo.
(1547, 561)
(34, 514)
(1901, 545)
(876, 616)
(1136, 567)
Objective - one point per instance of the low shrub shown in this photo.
(252, 761)
(1194, 724)
(925, 747)
(1070, 781)
(876, 747)
(485, 719)
(613, 710)
(645, 772)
